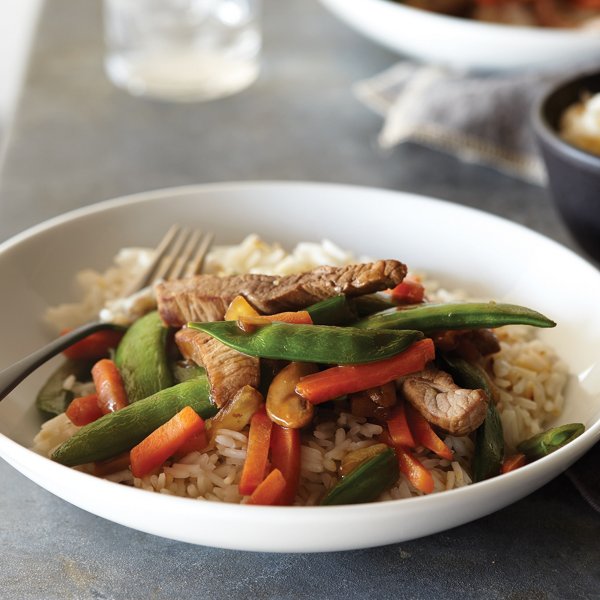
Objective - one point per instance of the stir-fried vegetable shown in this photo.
(311, 343)
(412, 468)
(545, 443)
(270, 490)
(142, 358)
(259, 440)
(284, 405)
(54, 398)
(398, 428)
(466, 315)
(122, 430)
(164, 441)
(333, 311)
(337, 381)
(109, 386)
(84, 410)
(367, 481)
(424, 434)
(512, 463)
(95, 346)
(236, 414)
(285, 456)
(489, 439)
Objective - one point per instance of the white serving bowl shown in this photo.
(464, 43)
(459, 246)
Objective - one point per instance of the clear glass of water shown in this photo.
(182, 50)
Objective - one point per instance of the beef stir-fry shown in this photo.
(270, 360)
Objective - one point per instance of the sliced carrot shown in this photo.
(414, 470)
(196, 443)
(163, 442)
(93, 347)
(270, 490)
(112, 465)
(337, 381)
(408, 291)
(84, 410)
(109, 386)
(424, 434)
(399, 430)
(257, 454)
(285, 456)
(299, 317)
(238, 308)
(511, 463)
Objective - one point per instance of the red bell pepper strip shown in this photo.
(398, 428)
(337, 381)
(257, 454)
(84, 410)
(285, 456)
(511, 463)
(270, 490)
(414, 470)
(93, 347)
(109, 386)
(408, 291)
(425, 435)
(163, 442)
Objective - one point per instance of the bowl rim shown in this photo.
(549, 136)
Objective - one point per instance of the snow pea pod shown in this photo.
(332, 311)
(121, 430)
(141, 358)
(489, 438)
(461, 315)
(311, 343)
(547, 442)
(367, 481)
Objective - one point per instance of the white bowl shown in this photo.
(464, 43)
(460, 246)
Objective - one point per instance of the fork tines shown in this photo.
(180, 253)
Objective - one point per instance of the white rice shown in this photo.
(528, 376)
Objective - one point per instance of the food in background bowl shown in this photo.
(580, 124)
(542, 13)
(563, 127)
(383, 422)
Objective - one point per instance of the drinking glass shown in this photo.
(183, 50)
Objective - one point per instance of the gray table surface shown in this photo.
(78, 140)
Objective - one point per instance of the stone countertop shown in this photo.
(78, 140)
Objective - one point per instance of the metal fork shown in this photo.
(180, 253)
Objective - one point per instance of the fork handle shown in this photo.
(13, 375)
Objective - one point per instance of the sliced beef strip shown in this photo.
(206, 297)
(228, 370)
(443, 403)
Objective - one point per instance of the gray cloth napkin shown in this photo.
(481, 119)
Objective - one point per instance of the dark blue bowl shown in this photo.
(573, 174)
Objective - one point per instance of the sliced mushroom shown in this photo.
(284, 406)
(236, 414)
(443, 403)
